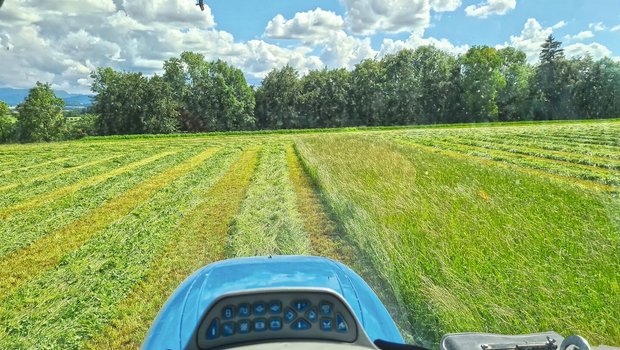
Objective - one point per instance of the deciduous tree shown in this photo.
(40, 116)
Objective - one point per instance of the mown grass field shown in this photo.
(507, 228)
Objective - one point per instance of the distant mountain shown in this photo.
(16, 96)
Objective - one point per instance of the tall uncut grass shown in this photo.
(471, 247)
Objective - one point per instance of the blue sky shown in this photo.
(246, 20)
(61, 42)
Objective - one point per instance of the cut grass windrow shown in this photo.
(28, 167)
(581, 163)
(584, 172)
(486, 161)
(268, 223)
(75, 300)
(541, 143)
(571, 157)
(586, 139)
(201, 239)
(22, 229)
(568, 146)
(25, 264)
(32, 203)
(100, 162)
(318, 225)
(56, 174)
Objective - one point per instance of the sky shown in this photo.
(62, 41)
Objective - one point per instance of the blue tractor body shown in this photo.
(177, 321)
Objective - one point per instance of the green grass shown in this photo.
(268, 222)
(472, 247)
(23, 228)
(200, 239)
(505, 228)
(75, 298)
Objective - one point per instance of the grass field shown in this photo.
(500, 228)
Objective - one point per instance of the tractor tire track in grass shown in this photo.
(72, 302)
(45, 253)
(317, 223)
(33, 203)
(268, 223)
(201, 239)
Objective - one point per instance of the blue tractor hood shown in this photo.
(178, 319)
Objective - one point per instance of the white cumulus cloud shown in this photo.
(491, 7)
(560, 24)
(586, 34)
(534, 35)
(530, 40)
(597, 27)
(307, 26)
(62, 42)
(391, 16)
(259, 57)
(413, 42)
(445, 5)
(596, 50)
(344, 51)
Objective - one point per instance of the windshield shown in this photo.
(461, 156)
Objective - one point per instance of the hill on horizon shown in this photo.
(13, 97)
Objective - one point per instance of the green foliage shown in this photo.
(422, 86)
(551, 52)
(437, 97)
(118, 101)
(596, 88)
(4, 109)
(7, 128)
(160, 108)
(324, 99)
(81, 126)
(277, 100)
(7, 123)
(40, 116)
(129, 103)
(481, 81)
(367, 97)
(212, 96)
(551, 85)
(402, 88)
(514, 99)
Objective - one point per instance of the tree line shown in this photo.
(421, 86)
